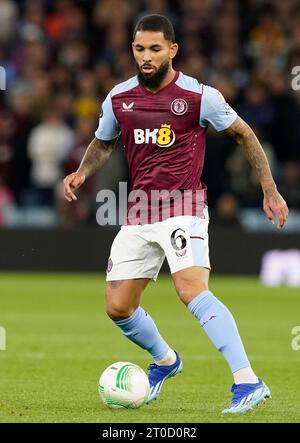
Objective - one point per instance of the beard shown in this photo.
(153, 80)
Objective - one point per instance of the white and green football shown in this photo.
(124, 385)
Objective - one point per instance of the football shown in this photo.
(123, 385)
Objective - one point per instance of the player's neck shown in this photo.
(167, 80)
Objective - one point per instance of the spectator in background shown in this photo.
(24, 122)
(31, 24)
(267, 40)
(63, 102)
(104, 75)
(48, 146)
(257, 108)
(226, 211)
(74, 55)
(65, 21)
(114, 12)
(287, 115)
(86, 105)
(42, 97)
(8, 20)
(69, 215)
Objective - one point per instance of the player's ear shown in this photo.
(173, 50)
(133, 47)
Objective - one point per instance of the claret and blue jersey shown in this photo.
(163, 133)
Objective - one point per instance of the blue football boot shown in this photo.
(246, 396)
(159, 374)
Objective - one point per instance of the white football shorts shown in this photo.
(138, 251)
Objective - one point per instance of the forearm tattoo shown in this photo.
(254, 152)
(96, 155)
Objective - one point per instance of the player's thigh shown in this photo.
(190, 282)
(122, 297)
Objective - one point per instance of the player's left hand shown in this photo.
(275, 205)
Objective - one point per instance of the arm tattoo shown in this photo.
(253, 150)
(96, 155)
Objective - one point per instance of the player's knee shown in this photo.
(187, 291)
(116, 311)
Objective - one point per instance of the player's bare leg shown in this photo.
(192, 287)
(190, 282)
(122, 297)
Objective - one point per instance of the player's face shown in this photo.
(153, 54)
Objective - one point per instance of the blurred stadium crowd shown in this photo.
(62, 57)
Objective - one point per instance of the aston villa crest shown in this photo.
(179, 106)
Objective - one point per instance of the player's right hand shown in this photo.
(71, 182)
(275, 205)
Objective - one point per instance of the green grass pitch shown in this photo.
(59, 340)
